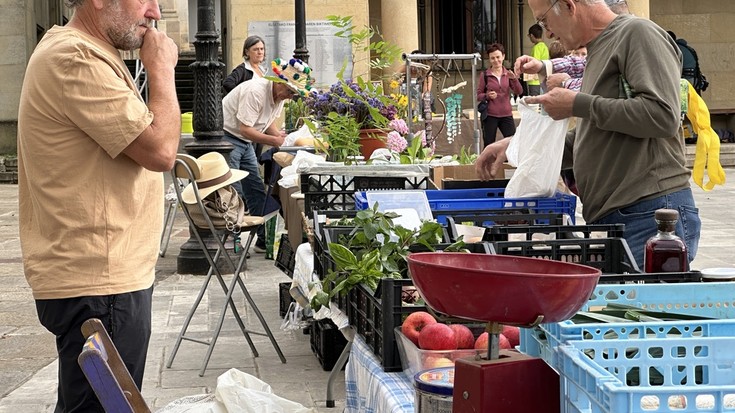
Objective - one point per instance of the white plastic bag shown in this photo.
(242, 393)
(536, 151)
(237, 392)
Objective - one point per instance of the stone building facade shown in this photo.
(411, 24)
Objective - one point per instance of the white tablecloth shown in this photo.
(370, 389)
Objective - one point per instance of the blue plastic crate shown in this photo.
(641, 376)
(716, 300)
(445, 202)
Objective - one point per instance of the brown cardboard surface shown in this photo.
(461, 173)
(292, 209)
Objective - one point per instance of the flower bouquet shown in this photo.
(409, 148)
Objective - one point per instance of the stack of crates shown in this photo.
(663, 366)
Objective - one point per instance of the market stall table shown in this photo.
(369, 388)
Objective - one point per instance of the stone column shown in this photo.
(400, 24)
(640, 8)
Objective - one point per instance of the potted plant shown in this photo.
(360, 100)
(355, 97)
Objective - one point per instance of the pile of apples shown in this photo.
(428, 334)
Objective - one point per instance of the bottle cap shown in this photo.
(667, 215)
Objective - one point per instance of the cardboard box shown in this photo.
(292, 209)
(465, 173)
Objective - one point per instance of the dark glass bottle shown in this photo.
(665, 252)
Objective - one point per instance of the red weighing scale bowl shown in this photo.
(504, 289)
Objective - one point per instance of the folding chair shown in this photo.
(106, 372)
(168, 223)
(186, 168)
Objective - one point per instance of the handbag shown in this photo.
(482, 106)
(224, 208)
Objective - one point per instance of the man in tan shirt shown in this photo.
(90, 155)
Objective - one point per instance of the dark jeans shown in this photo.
(640, 224)
(127, 318)
(490, 128)
(251, 188)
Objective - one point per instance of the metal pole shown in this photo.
(300, 52)
(208, 119)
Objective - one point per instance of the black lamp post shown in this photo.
(300, 52)
(208, 120)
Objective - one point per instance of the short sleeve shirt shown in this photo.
(250, 103)
(90, 217)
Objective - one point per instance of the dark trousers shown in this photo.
(491, 125)
(127, 318)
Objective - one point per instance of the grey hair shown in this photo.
(557, 6)
(250, 42)
(73, 3)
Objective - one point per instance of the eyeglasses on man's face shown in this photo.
(541, 21)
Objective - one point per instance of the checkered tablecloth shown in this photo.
(369, 389)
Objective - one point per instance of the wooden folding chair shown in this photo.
(106, 372)
(186, 168)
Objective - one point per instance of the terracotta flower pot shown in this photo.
(370, 140)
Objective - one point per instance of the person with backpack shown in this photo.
(690, 65)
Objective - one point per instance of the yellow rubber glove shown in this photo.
(707, 154)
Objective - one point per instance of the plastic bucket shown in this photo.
(186, 125)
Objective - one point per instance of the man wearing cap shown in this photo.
(90, 190)
(250, 111)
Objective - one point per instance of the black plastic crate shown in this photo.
(323, 263)
(332, 217)
(327, 342)
(375, 314)
(502, 233)
(500, 218)
(284, 298)
(286, 258)
(652, 278)
(610, 255)
(335, 192)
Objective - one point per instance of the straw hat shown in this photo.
(295, 74)
(214, 173)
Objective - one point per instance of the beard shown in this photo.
(122, 32)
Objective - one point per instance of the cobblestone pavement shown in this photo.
(27, 353)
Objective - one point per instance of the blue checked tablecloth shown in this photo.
(369, 389)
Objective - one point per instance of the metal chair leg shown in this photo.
(168, 226)
(341, 361)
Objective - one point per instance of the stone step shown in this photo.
(727, 155)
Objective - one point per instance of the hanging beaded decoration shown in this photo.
(453, 116)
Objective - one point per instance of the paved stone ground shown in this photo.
(27, 353)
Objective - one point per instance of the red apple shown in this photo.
(463, 335)
(513, 334)
(433, 362)
(437, 336)
(504, 342)
(482, 342)
(414, 323)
